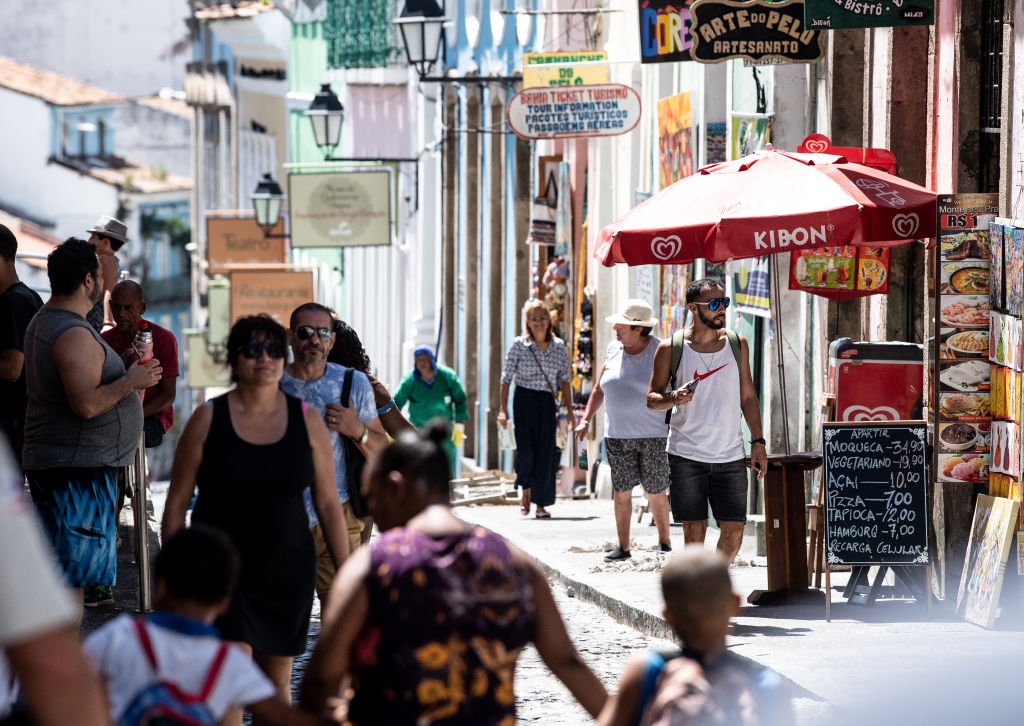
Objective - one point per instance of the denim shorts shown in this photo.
(78, 511)
(695, 484)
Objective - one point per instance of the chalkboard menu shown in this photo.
(876, 502)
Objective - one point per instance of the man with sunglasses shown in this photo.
(709, 389)
(319, 383)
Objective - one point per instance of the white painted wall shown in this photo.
(41, 189)
(154, 138)
(131, 47)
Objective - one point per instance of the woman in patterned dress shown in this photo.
(430, 619)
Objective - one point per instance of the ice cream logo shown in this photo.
(863, 413)
(665, 248)
(905, 225)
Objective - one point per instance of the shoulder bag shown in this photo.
(561, 412)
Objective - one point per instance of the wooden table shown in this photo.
(785, 519)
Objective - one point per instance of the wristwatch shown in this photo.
(759, 441)
(366, 435)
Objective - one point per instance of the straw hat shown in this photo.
(636, 312)
(109, 227)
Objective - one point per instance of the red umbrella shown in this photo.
(771, 201)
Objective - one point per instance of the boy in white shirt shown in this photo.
(172, 662)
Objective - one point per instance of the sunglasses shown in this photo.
(257, 348)
(305, 332)
(713, 305)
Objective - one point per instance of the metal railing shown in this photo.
(140, 512)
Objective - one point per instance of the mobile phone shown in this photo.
(692, 385)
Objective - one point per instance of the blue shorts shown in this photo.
(78, 510)
(695, 484)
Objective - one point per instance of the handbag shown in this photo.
(561, 412)
(354, 460)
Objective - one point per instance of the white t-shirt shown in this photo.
(184, 651)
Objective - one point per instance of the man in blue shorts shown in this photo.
(84, 419)
(709, 389)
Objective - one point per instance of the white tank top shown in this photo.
(708, 428)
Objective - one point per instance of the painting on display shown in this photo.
(665, 31)
(748, 133)
(675, 138)
(992, 530)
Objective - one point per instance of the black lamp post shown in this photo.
(326, 114)
(266, 203)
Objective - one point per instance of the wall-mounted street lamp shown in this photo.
(326, 114)
(266, 203)
(422, 25)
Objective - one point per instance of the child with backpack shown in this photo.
(171, 667)
(703, 683)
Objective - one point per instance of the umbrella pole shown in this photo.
(776, 303)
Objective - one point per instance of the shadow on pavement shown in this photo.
(771, 631)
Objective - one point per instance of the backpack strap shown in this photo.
(346, 387)
(734, 343)
(655, 664)
(147, 645)
(677, 353)
(214, 673)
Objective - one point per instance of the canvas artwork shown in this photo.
(1013, 265)
(988, 549)
(996, 291)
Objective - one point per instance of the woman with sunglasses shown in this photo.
(252, 452)
(707, 392)
(538, 364)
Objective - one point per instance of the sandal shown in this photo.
(543, 514)
(525, 511)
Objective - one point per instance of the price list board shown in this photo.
(876, 493)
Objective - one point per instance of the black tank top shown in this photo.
(254, 493)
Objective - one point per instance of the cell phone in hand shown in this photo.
(692, 385)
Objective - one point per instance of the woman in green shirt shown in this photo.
(433, 391)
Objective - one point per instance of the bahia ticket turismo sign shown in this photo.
(570, 112)
(665, 31)
(834, 14)
(756, 30)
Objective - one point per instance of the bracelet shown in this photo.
(759, 441)
(366, 434)
(386, 407)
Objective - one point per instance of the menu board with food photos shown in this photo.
(964, 313)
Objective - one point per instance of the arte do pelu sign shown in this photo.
(757, 30)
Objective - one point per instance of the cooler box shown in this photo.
(875, 381)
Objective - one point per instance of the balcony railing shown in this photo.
(359, 34)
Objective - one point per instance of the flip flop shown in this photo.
(543, 515)
(525, 511)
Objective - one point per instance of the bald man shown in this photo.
(127, 305)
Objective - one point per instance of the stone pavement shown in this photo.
(865, 655)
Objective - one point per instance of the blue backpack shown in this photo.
(163, 703)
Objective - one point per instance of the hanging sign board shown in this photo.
(272, 292)
(340, 209)
(840, 273)
(559, 113)
(833, 14)
(537, 70)
(755, 30)
(239, 240)
(665, 31)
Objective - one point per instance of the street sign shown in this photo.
(755, 29)
(830, 15)
(558, 113)
(273, 292)
(537, 70)
(665, 30)
(239, 240)
(341, 209)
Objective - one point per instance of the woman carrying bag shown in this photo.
(538, 364)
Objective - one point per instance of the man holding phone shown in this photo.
(709, 389)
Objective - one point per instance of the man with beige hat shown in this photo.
(634, 435)
(108, 235)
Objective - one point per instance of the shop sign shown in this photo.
(239, 240)
(756, 30)
(201, 370)
(840, 273)
(537, 70)
(341, 209)
(833, 14)
(665, 31)
(272, 292)
(558, 113)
